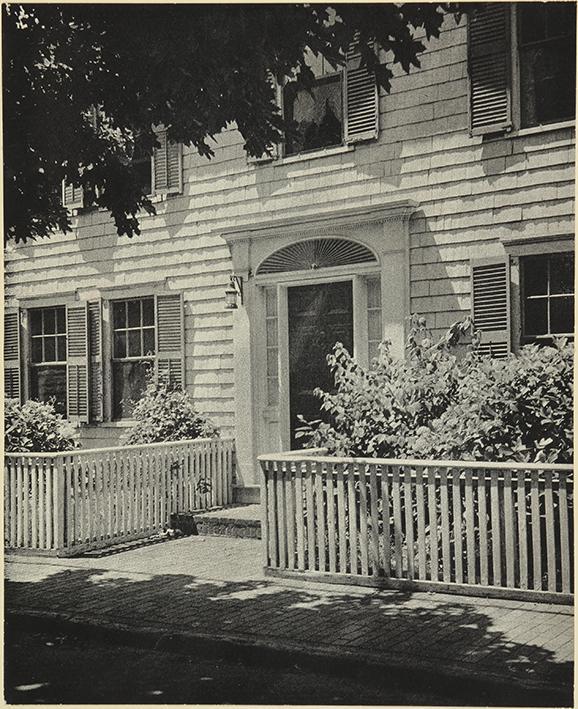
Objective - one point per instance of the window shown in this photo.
(547, 56)
(48, 356)
(159, 174)
(133, 351)
(316, 113)
(530, 47)
(548, 296)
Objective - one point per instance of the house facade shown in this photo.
(451, 195)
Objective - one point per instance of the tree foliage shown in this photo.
(194, 68)
(446, 401)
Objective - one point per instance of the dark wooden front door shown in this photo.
(319, 316)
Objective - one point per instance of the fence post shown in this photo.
(59, 486)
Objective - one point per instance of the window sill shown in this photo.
(534, 130)
(314, 154)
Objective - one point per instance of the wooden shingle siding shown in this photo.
(472, 192)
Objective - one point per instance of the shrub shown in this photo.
(167, 413)
(35, 426)
(447, 401)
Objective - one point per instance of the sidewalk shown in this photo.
(213, 588)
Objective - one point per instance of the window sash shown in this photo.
(547, 297)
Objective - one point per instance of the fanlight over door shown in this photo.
(316, 253)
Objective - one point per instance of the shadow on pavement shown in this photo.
(463, 634)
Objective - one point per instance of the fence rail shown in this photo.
(481, 528)
(70, 502)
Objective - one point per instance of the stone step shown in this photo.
(232, 521)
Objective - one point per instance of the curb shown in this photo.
(469, 682)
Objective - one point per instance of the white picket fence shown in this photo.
(70, 502)
(479, 528)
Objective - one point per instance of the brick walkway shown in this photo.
(214, 587)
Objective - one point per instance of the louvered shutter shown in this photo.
(170, 364)
(77, 362)
(167, 165)
(489, 64)
(96, 376)
(72, 197)
(490, 284)
(12, 371)
(361, 117)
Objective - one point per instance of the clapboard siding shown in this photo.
(471, 192)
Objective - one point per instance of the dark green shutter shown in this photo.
(12, 364)
(96, 376)
(167, 165)
(170, 339)
(77, 362)
(361, 100)
(489, 65)
(490, 284)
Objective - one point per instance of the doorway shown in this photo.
(319, 316)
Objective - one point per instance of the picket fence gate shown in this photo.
(492, 529)
(70, 502)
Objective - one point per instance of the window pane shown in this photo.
(143, 173)
(50, 349)
(129, 382)
(548, 82)
(374, 293)
(535, 275)
(36, 322)
(120, 344)
(272, 362)
(272, 391)
(36, 349)
(532, 19)
(562, 315)
(134, 313)
(562, 273)
(61, 320)
(61, 348)
(149, 341)
(47, 383)
(119, 314)
(374, 325)
(272, 332)
(49, 321)
(134, 344)
(316, 114)
(148, 311)
(271, 301)
(560, 18)
(535, 317)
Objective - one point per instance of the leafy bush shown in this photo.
(167, 413)
(448, 401)
(35, 426)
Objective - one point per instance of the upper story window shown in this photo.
(547, 57)
(133, 351)
(548, 296)
(48, 356)
(316, 113)
(522, 65)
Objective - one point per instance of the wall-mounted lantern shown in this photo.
(234, 293)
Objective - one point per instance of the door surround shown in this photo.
(383, 228)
